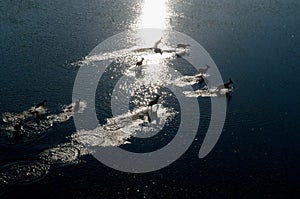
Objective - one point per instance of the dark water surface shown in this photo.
(256, 43)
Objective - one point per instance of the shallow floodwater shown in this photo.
(256, 43)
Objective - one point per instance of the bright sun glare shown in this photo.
(154, 14)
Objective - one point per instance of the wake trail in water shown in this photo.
(188, 80)
(31, 171)
(119, 129)
(8, 117)
(36, 122)
(126, 55)
(23, 172)
(213, 92)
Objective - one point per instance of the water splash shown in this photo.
(63, 154)
(130, 55)
(187, 80)
(8, 117)
(119, 129)
(213, 92)
(35, 126)
(31, 171)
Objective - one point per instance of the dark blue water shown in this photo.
(256, 43)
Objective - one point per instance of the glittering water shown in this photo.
(256, 43)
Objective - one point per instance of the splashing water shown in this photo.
(126, 56)
(63, 154)
(119, 129)
(35, 126)
(8, 117)
(187, 80)
(213, 92)
(27, 172)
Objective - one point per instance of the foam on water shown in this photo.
(207, 92)
(8, 117)
(101, 137)
(27, 172)
(187, 80)
(119, 129)
(126, 55)
(23, 172)
(62, 154)
(33, 128)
